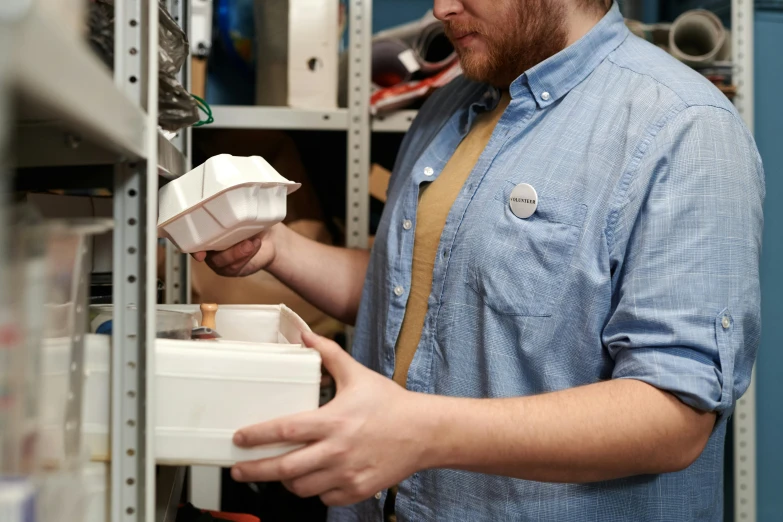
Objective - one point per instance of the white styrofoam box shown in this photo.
(268, 324)
(206, 391)
(96, 398)
(223, 201)
(298, 65)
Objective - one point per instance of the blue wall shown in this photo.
(389, 13)
(769, 368)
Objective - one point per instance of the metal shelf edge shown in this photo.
(251, 117)
(399, 121)
(58, 72)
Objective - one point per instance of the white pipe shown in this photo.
(698, 38)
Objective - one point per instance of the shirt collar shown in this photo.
(553, 78)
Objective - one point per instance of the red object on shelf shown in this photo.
(233, 517)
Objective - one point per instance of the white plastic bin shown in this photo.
(96, 398)
(269, 324)
(205, 390)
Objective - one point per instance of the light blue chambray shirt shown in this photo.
(640, 262)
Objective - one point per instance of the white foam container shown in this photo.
(205, 390)
(213, 389)
(268, 324)
(223, 201)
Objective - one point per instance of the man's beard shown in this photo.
(535, 30)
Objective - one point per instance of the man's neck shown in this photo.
(579, 21)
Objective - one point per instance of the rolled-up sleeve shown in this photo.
(684, 243)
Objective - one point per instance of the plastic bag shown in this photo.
(176, 107)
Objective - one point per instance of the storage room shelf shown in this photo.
(60, 79)
(399, 121)
(66, 148)
(249, 117)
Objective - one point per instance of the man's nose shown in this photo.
(445, 9)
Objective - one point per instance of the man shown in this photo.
(565, 281)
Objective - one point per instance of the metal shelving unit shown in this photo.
(71, 110)
(67, 104)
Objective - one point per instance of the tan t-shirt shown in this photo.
(435, 202)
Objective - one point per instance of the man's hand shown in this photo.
(361, 442)
(244, 258)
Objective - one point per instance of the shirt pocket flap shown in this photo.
(521, 266)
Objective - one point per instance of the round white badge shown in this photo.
(523, 201)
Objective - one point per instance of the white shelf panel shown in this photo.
(251, 117)
(399, 121)
(59, 77)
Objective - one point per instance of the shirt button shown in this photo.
(725, 322)
(407, 224)
(545, 96)
(398, 291)
(378, 495)
(428, 171)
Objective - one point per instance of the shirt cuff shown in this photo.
(689, 376)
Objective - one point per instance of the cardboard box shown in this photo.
(379, 182)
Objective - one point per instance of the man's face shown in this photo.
(497, 40)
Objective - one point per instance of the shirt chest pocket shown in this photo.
(519, 269)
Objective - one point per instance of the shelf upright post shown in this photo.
(178, 280)
(742, 12)
(357, 200)
(358, 157)
(134, 272)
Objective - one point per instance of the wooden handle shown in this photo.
(208, 311)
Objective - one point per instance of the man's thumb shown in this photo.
(336, 361)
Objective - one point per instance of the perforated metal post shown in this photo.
(128, 344)
(177, 286)
(135, 210)
(745, 411)
(358, 199)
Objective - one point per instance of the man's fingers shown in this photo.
(336, 361)
(236, 254)
(303, 427)
(313, 484)
(339, 497)
(286, 467)
(199, 256)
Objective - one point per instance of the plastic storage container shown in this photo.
(270, 324)
(205, 390)
(96, 399)
(209, 390)
(224, 201)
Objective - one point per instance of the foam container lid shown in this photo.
(221, 202)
